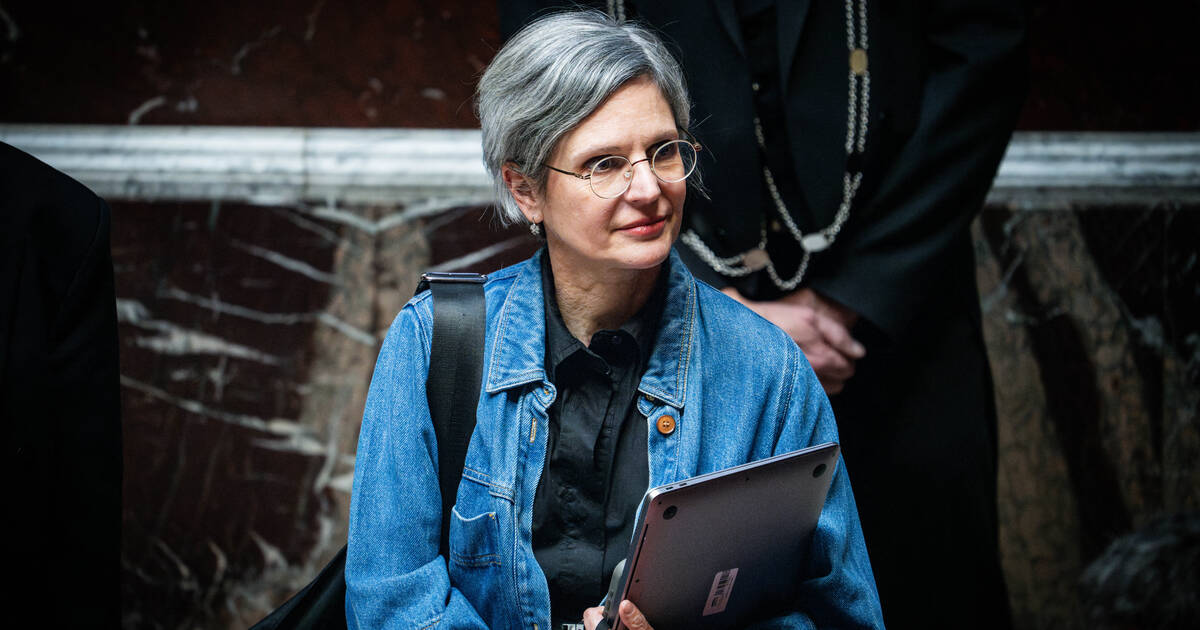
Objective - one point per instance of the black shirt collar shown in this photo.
(632, 341)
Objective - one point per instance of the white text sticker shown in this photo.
(718, 595)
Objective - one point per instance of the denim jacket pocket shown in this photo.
(481, 548)
(473, 541)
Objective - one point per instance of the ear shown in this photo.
(522, 189)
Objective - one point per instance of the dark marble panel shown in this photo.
(208, 500)
(1091, 321)
(303, 63)
(248, 336)
(471, 239)
(1094, 65)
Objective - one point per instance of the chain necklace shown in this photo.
(616, 10)
(857, 115)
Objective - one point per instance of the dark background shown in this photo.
(1095, 65)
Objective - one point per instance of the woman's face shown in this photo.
(634, 231)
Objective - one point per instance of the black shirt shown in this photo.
(596, 464)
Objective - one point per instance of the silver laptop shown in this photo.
(724, 549)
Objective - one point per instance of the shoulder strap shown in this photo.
(455, 375)
(452, 388)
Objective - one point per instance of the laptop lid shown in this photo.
(725, 548)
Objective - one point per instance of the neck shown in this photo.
(593, 302)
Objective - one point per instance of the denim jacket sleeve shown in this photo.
(841, 592)
(395, 577)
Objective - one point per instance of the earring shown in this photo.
(534, 229)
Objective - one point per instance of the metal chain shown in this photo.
(866, 76)
(851, 82)
(616, 10)
(731, 266)
(857, 117)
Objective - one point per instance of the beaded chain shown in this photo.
(857, 116)
(616, 10)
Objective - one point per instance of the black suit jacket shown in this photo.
(948, 81)
(59, 399)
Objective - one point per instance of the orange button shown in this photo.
(666, 425)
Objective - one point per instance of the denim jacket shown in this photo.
(738, 388)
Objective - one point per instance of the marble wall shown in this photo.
(248, 336)
(1092, 320)
(248, 332)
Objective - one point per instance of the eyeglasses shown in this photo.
(611, 176)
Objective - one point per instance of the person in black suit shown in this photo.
(849, 145)
(59, 399)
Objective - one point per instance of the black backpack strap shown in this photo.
(455, 375)
(452, 389)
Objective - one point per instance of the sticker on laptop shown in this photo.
(718, 595)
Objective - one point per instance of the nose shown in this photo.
(644, 188)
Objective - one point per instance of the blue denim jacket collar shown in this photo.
(517, 362)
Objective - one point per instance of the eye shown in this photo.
(604, 165)
(667, 150)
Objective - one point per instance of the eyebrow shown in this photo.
(665, 136)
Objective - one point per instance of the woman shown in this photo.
(607, 367)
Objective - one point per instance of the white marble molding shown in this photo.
(442, 167)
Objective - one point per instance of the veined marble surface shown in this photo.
(432, 169)
(248, 337)
(1092, 321)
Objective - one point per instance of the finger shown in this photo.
(592, 617)
(632, 617)
(806, 338)
(801, 326)
(839, 337)
(828, 363)
(838, 311)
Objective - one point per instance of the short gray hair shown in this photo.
(550, 76)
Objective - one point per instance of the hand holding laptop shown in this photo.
(631, 617)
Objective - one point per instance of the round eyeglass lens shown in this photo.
(674, 161)
(671, 162)
(610, 177)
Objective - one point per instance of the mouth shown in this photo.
(645, 226)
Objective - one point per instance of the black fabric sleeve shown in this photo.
(59, 397)
(85, 404)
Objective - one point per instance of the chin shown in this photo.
(649, 255)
